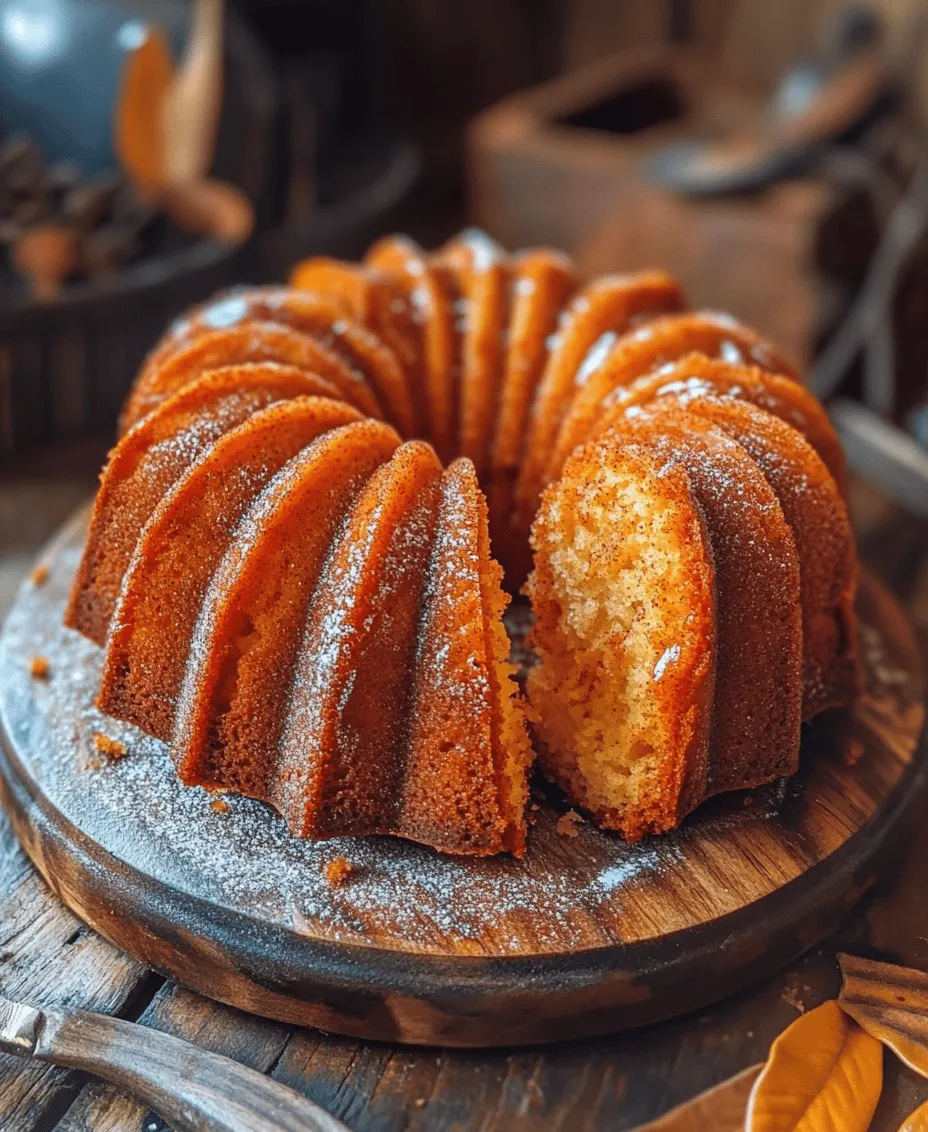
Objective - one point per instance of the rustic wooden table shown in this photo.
(48, 957)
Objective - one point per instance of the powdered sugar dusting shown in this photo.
(245, 858)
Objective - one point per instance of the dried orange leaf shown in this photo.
(891, 1003)
(138, 128)
(720, 1108)
(192, 105)
(824, 1074)
(916, 1121)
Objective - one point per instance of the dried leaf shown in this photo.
(139, 130)
(824, 1074)
(190, 114)
(46, 255)
(720, 1108)
(211, 208)
(916, 1121)
(891, 1004)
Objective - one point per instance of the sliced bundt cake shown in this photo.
(306, 604)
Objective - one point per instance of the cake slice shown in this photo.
(465, 786)
(662, 555)
(625, 608)
(180, 548)
(240, 665)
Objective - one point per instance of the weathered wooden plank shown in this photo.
(47, 957)
(371, 1087)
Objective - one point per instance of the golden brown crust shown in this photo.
(458, 710)
(542, 282)
(757, 708)
(430, 301)
(309, 314)
(232, 705)
(181, 546)
(695, 374)
(150, 459)
(645, 350)
(596, 317)
(350, 696)
(482, 275)
(252, 342)
(817, 516)
(377, 301)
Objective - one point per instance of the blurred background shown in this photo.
(774, 156)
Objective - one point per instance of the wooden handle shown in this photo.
(193, 1090)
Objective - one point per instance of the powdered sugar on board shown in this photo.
(237, 853)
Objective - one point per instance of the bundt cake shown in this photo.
(289, 558)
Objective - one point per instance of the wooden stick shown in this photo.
(190, 1088)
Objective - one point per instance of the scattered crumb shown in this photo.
(38, 667)
(112, 748)
(748, 801)
(791, 997)
(219, 806)
(39, 575)
(853, 752)
(419, 1102)
(337, 871)
(567, 824)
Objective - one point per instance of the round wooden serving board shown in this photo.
(585, 935)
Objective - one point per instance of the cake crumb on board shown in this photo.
(337, 871)
(39, 668)
(39, 575)
(566, 825)
(112, 748)
(219, 805)
(792, 996)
